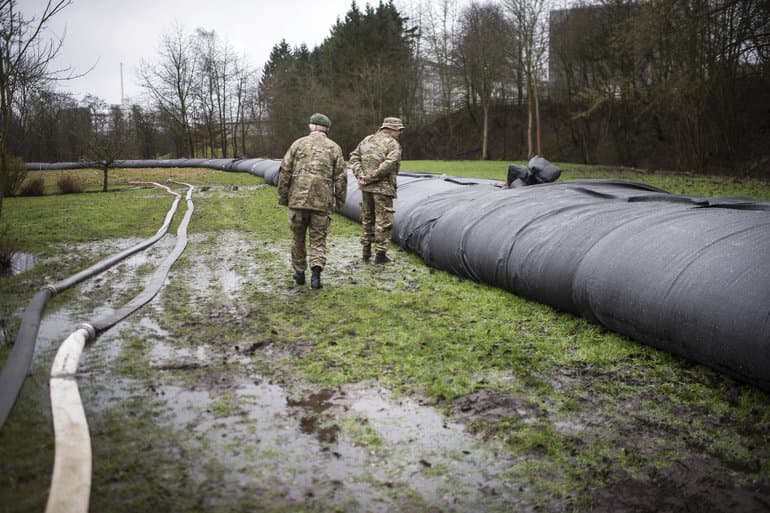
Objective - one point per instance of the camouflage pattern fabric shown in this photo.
(313, 175)
(316, 225)
(377, 158)
(312, 182)
(376, 220)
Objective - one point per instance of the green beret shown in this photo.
(320, 119)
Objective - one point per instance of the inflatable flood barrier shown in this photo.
(685, 274)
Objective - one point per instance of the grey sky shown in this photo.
(106, 33)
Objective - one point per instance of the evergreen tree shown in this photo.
(367, 60)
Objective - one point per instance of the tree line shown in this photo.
(655, 83)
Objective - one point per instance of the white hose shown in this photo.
(71, 480)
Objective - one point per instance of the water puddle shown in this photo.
(217, 273)
(437, 457)
(354, 448)
(300, 448)
(22, 262)
(311, 448)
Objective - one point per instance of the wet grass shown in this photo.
(673, 182)
(39, 223)
(589, 407)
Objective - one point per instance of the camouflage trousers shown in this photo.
(376, 220)
(313, 225)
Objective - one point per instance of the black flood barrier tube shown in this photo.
(20, 358)
(688, 275)
(264, 168)
(685, 274)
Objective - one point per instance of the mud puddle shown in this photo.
(354, 448)
(356, 445)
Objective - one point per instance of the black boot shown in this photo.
(381, 258)
(299, 277)
(315, 278)
(367, 253)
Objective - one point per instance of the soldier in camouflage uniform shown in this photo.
(312, 182)
(375, 163)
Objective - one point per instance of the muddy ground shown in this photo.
(222, 424)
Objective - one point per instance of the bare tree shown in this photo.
(144, 127)
(225, 74)
(109, 137)
(482, 52)
(529, 28)
(244, 87)
(24, 64)
(216, 84)
(439, 29)
(169, 82)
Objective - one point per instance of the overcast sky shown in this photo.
(106, 33)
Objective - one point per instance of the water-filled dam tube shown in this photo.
(689, 275)
(264, 168)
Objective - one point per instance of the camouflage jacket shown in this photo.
(377, 158)
(313, 175)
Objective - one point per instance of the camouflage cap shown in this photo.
(392, 123)
(320, 119)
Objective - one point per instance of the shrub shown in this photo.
(69, 185)
(17, 173)
(35, 187)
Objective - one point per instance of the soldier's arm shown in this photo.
(389, 164)
(340, 182)
(355, 161)
(284, 177)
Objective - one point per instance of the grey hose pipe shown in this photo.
(19, 360)
(156, 280)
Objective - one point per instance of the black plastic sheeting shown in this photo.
(688, 275)
(538, 170)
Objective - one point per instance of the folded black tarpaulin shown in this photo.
(689, 275)
(538, 170)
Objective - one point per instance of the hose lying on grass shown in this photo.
(689, 275)
(19, 360)
(71, 480)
